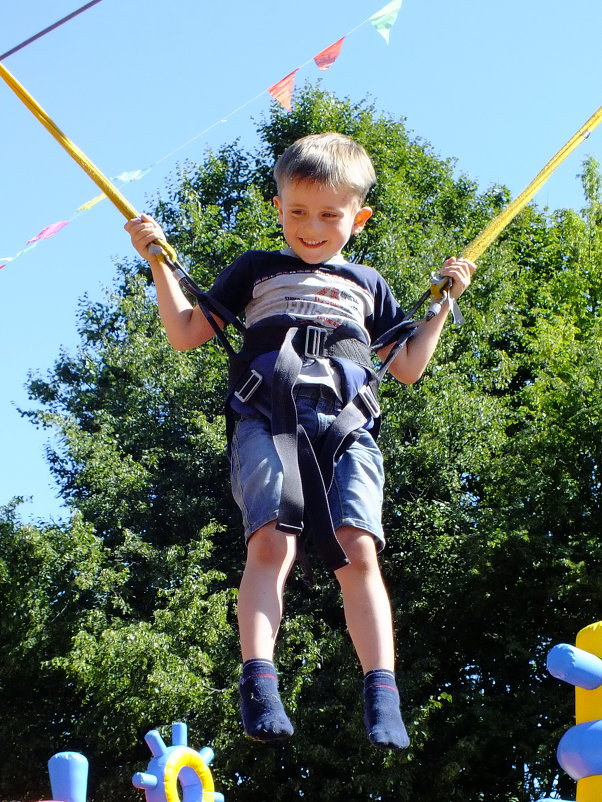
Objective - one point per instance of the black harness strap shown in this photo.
(314, 487)
(343, 431)
(302, 474)
(283, 417)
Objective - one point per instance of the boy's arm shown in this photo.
(410, 363)
(185, 325)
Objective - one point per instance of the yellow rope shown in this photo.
(494, 228)
(111, 191)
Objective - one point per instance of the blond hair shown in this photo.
(331, 159)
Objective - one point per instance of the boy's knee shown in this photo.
(360, 548)
(268, 546)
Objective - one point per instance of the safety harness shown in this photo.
(308, 469)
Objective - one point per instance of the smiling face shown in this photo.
(317, 221)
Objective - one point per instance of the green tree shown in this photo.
(492, 510)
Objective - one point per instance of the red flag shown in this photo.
(329, 56)
(283, 90)
(49, 231)
(4, 265)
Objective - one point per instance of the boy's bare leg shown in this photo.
(370, 625)
(365, 600)
(270, 557)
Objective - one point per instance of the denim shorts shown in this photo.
(355, 497)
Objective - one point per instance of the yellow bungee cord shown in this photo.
(497, 224)
(492, 230)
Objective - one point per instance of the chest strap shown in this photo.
(309, 341)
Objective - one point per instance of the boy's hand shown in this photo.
(460, 272)
(144, 230)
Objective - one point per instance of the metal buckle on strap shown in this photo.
(249, 387)
(366, 394)
(315, 337)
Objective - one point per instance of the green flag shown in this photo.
(385, 19)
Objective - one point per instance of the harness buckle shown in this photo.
(315, 337)
(368, 397)
(251, 384)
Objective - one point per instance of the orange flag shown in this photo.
(283, 90)
(327, 57)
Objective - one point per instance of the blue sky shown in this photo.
(497, 85)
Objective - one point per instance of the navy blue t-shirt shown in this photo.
(263, 284)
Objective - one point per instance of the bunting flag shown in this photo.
(328, 57)
(49, 231)
(89, 204)
(131, 175)
(125, 178)
(283, 90)
(54, 228)
(385, 19)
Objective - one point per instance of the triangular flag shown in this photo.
(385, 19)
(327, 57)
(85, 206)
(283, 90)
(49, 231)
(131, 175)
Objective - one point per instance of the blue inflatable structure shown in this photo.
(68, 777)
(175, 765)
(580, 748)
(171, 769)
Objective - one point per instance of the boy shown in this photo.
(311, 317)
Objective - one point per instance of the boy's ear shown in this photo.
(278, 205)
(361, 218)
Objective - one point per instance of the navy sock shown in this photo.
(263, 715)
(382, 716)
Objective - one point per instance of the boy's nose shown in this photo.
(312, 225)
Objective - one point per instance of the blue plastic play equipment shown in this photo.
(580, 748)
(68, 776)
(171, 768)
(174, 767)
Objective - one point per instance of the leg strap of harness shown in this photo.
(325, 540)
(344, 430)
(283, 415)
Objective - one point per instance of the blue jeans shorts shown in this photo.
(356, 494)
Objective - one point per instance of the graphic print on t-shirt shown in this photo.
(326, 299)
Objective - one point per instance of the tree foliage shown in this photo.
(123, 619)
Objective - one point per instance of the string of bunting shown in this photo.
(282, 91)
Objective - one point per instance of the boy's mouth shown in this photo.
(310, 243)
